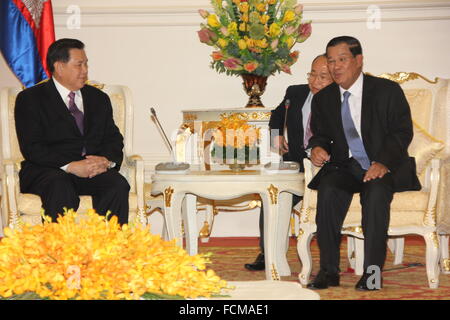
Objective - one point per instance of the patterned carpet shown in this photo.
(407, 281)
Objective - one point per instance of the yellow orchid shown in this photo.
(89, 257)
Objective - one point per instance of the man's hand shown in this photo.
(319, 156)
(89, 167)
(280, 145)
(375, 171)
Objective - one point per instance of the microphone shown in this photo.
(152, 110)
(173, 167)
(285, 135)
(282, 166)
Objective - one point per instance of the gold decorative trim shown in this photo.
(95, 84)
(446, 265)
(402, 77)
(168, 196)
(190, 117)
(275, 275)
(300, 233)
(205, 230)
(435, 239)
(249, 116)
(355, 229)
(430, 215)
(306, 213)
(273, 192)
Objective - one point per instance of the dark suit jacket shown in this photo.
(386, 129)
(49, 137)
(297, 95)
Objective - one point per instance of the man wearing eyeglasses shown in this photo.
(297, 105)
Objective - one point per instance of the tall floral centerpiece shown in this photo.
(254, 39)
(236, 143)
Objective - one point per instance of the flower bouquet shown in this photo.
(235, 143)
(91, 258)
(254, 39)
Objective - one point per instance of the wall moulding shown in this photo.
(98, 13)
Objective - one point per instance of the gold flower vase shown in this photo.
(254, 86)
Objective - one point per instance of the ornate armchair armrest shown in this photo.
(434, 176)
(135, 166)
(308, 193)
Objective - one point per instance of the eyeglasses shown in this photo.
(321, 77)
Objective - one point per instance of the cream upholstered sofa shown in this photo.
(26, 208)
(422, 212)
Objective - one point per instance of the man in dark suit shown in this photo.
(362, 128)
(297, 102)
(69, 140)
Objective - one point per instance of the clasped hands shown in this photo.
(377, 170)
(89, 167)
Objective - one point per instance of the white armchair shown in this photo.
(19, 207)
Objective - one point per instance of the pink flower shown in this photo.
(233, 64)
(224, 31)
(274, 44)
(207, 36)
(298, 9)
(203, 13)
(283, 66)
(251, 66)
(304, 31)
(290, 30)
(217, 55)
(294, 55)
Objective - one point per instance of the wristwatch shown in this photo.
(111, 165)
(308, 153)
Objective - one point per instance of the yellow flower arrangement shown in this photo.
(91, 258)
(236, 141)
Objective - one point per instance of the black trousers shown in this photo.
(59, 189)
(295, 199)
(335, 193)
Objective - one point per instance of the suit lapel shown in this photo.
(58, 105)
(366, 107)
(88, 110)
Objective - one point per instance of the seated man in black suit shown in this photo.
(298, 102)
(69, 140)
(362, 129)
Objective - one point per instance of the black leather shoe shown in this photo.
(368, 284)
(258, 265)
(324, 280)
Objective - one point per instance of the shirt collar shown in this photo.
(356, 88)
(63, 91)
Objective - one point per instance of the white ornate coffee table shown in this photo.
(276, 194)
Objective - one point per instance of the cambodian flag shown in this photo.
(26, 32)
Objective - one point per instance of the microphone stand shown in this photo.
(286, 108)
(168, 166)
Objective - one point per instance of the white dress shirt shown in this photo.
(64, 93)
(306, 110)
(355, 102)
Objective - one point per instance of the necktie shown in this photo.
(76, 113)
(308, 132)
(354, 141)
